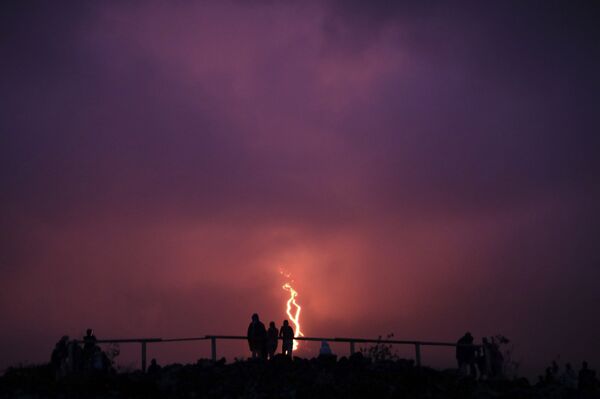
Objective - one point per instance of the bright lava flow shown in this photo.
(294, 316)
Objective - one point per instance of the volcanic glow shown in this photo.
(293, 316)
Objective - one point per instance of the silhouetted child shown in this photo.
(257, 338)
(325, 349)
(272, 339)
(326, 356)
(287, 333)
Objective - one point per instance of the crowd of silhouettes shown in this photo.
(585, 381)
(263, 343)
(486, 361)
(70, 357)
(483, 361)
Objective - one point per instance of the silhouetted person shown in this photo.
(480, 362)
(154, 368)
(257, 338)
(549, 377)
(325, 349)
(555, 370)
(587, 379)
(59, 355)
(287, 333)
(326, 356)
(496, 360)
(89, 343)
(483, 359)
(98, 361)
(569, 377)
(460, 352)
(272, 339)
(89, 348)
(540, 382)
(465, 355)
(75, 359)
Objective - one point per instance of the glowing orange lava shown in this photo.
(294, 316)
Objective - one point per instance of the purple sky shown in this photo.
(420, 169)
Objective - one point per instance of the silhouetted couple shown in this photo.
(263, 343)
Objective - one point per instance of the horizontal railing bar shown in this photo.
(314, 339)
(226, 337)
(242, 337)
(184, 339)
(123, 341)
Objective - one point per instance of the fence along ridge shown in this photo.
(213, 343)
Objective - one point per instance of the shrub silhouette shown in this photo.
(380, 351)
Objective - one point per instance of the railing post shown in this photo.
(418, 354)
(352, 348)
(143, 356)
(213, 348)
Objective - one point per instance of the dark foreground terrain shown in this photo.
(281, 378)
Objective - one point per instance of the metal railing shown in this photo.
(213, 343)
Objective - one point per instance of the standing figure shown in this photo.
(257, 338)
(89, 347)
(465, 355)
(587, 382)
(89, 341)
(496, 360)
(272, 338)
(59, 355)
(569, 377)
(483, 359)
(75, 360)
(287, 333)
(154, 368)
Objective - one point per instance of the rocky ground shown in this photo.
(356, 377)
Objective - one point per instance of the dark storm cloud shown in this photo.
(501, 100)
